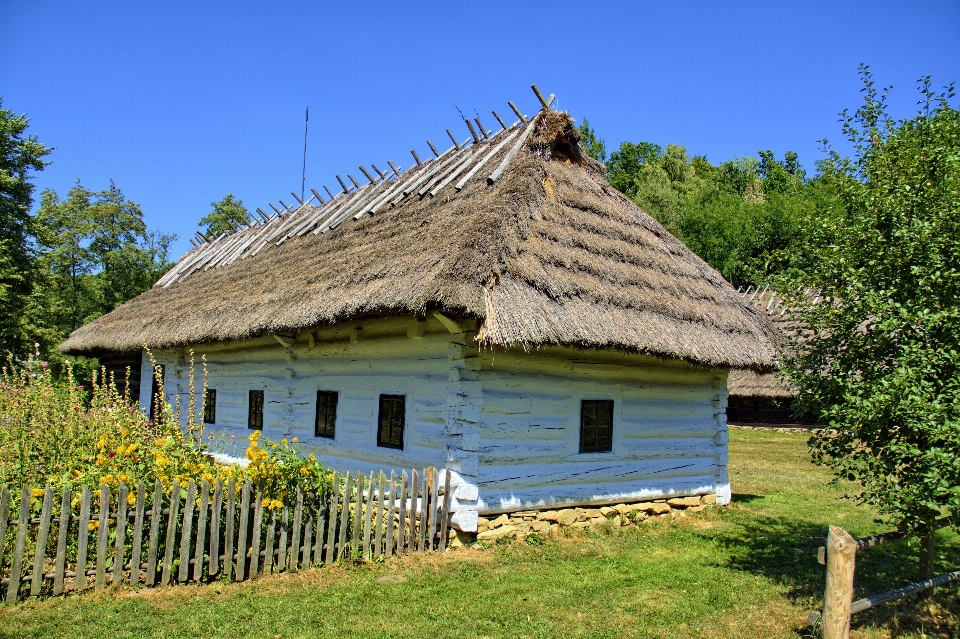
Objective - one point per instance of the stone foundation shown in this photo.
(549, 522)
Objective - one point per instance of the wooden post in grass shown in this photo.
(841, 559)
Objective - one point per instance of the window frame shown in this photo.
(210, 406)
(595, 448)
(332, 419)
(251, 414)
(388, 443)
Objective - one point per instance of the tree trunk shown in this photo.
(927, 556)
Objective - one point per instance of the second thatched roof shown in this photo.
(520, 231)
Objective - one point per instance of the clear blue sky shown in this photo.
(181, 103)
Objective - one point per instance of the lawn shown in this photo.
(725, 573)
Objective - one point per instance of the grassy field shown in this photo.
(727, 573)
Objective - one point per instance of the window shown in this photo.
(255, 412)
(157, 382)
(596, 426)
(326, 414)
(390, 422)
(210, 406)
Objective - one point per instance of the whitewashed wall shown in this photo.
(506, 423)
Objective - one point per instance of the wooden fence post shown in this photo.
(841, 559)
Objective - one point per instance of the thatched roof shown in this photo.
(750, 383)
(521, 232)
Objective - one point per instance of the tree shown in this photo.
(227, 216)
(879, 363)
(95, 253)
(19, 155)
(590, 143)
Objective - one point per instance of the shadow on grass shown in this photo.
(745, 498)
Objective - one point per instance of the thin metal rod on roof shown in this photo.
(354, 180)
(543, 100)
(343, 185)
(396, 169)
(367, 175)
(434, 149)
(276, 210)
(317, 195)
(513, 106)
(296, 198)
(383, 176)
(483, 130)
(500, 120)
(416, 157)
(453, 139)
(473, 131)
(328, 191)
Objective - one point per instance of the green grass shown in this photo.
(725, 573)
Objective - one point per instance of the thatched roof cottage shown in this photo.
(499, 310)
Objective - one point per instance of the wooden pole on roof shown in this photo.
(452, 139)
(343, 185)
(383, 176)
(394, 167)
(483, 130)
(367, 175)
(296, 198)
(328, 191)
(354, 180)
(473, 132)
(543, 100)
(433, 148)
(317, 195)
(513, 106)
(416, 157)
(262, 214)
(276, 210)
(287, 208)
(500, 120)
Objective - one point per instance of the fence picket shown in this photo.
(186, 535)
(422, 526)
(171, 537)
(412, 533)
(378, 535)
(201, 531)
(214, 568)
(241, 570)
(4, 521)
(83, 534)
(36, 578)
(153, 545)
(282, 554)
(344, 515)
(121, 537)
(401, 526)
(229, 539)
(367, 515)
(445, 514)
(103, 536)
(63, 529)
(136, 545)
(23, 522)
(388, 543)
(308, 538)
(434, 493)
(295, 537)
(358, 513)
(271, 539)
(257, 524)
(321, 529)
(330, 555)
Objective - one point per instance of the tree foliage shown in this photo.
(227, 216)
(880, 360)
(593, 145)
(20, 154)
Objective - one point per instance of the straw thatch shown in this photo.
(549, 253)
(750, 383)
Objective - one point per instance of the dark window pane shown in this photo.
(255, 414)
(210, 406)
(326, 414)
(596, 426)
(390, 421)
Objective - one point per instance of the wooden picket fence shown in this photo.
(199, 533)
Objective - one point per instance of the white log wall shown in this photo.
(507, 423)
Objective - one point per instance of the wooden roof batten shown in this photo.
(427, 178)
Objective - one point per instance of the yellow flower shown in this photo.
(266, 503)
(304, 471)
(54, 479)
(313, 457)
(283, 441)
(93, 525)
(131, 499)
(37, 492)
(295, 440)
